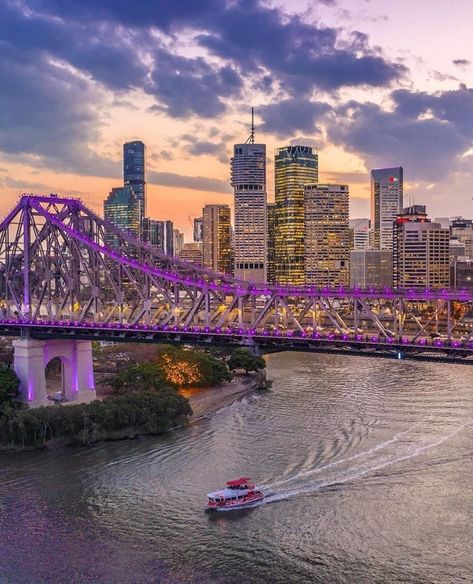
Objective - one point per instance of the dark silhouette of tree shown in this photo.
(244, 359)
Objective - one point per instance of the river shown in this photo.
(368, 463)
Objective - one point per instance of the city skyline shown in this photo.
(387, 107)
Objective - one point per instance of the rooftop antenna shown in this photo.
(251, 139)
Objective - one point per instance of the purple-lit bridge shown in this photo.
(68, 277)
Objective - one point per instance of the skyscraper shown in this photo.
(248, 179)
(178, 241)
(217, 238)
(387, 189)
(197, 234)
(134, 171)
(159, 234)
(295, 166)
(192, 253)
(122, 208)
(359, 234)
(327, 235)
(421, 257)
(271, 207)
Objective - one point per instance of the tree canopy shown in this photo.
(9, 384)
(244, 359)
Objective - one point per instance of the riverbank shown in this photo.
(206, 401)
(120, 417)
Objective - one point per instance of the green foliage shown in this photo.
(213, 370)
(192, 367)
(139, 377)
(9, 384)
(174, 367)
(244, 359)
(119, 417)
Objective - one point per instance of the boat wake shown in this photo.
(401, 447)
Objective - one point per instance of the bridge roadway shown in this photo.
(366, 343)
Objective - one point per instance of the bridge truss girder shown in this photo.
(57, 265)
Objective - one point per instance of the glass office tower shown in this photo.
(122, 208)
(387, 190)
(134, 171)
(295, 166)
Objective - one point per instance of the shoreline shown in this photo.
(206, 401)
(203, 401)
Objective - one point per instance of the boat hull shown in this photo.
(230, 505)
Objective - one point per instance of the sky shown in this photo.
(369, 83)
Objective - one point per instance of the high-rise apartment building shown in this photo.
(192, 253)
(122, 208)
(420, 251)
(217, 250)
(326, 235)
(387, 191)
(295, 166)
(271, 242)
(197, 232)
(359, 234)
(159, 234)
(134, 171)
(371, 267)
(248, 179)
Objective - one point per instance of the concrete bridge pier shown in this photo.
(30, 361)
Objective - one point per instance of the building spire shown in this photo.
(251, 139)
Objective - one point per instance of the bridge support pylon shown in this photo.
(30, 361)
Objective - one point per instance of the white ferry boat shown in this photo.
(236, 494)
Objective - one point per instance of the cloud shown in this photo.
(185, 86)
(428, 133)
(461, 62)
(198, 183)
(251, 38)
(286, 117)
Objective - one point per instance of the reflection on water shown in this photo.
(367, 464)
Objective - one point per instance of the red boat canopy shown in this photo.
(238, 482)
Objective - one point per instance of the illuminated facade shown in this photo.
(134, 168)
(217, 251)
(123, 209)
(248, 179)
(387, 191)
(294, 166)
(192, 253)
(326, 235)
(271, 222)
(421, 251)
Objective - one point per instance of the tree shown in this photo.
(244, 359)
(9, 384)
(142, 377)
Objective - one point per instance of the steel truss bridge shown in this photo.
(67, 273)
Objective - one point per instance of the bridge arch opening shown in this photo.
(56, 371)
